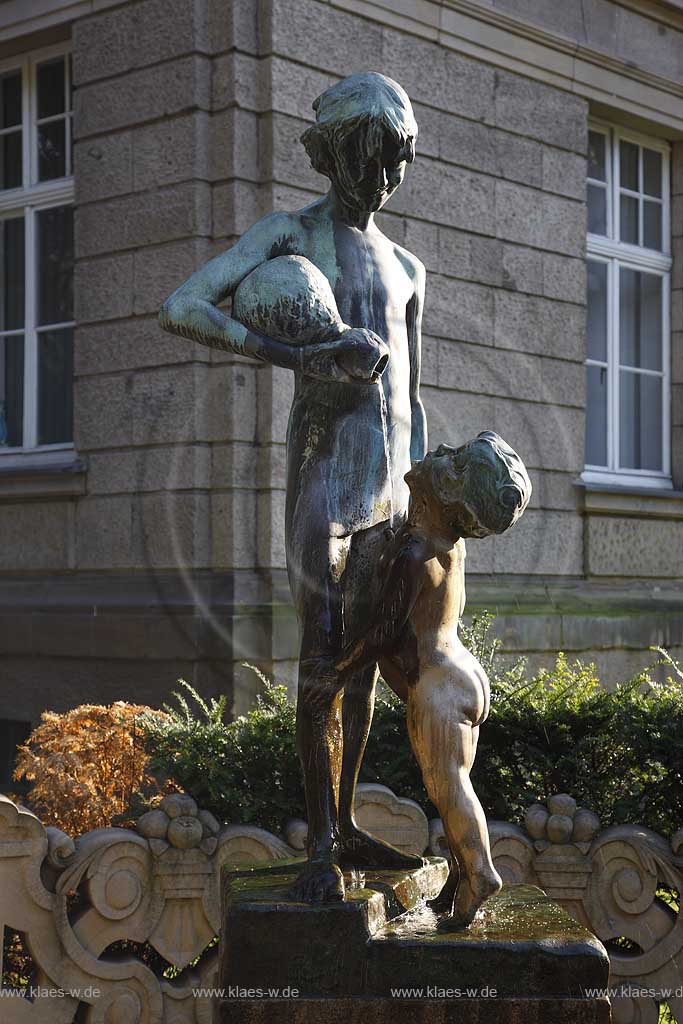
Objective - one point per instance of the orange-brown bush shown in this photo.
(87, 765)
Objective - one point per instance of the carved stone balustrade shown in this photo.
(156, 888)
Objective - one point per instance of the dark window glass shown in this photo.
(10, 99)
(12, 271)
(596, 156)
(11, 166)
(652, 225)
(628, 162)
(55, 386)
(11, 392)
(652, 172)
(50, 78)
(55, 265)
(597, 210)
(629, 219)
(640, 319)
(640, 421)
(596, 313)
(596, 416)
(52, 150)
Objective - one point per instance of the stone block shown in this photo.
(453, 253)
(36, 536)
(485, 370)
(236, 205)
(519, 159)
(677, 168)
(172, 530)
(170, 151)
(323, 37)
(549, 437)
(104, 533)
(159, 269)
(231, 403)
(563, 383)
(294, 87)
(429, 367)
(564, 173)
(103, 288)
(284, 157)
(641, 41)
(486, 261)
(564, 278)
(526, 323)
(235, 464)
(522, 269)
(103, 412)
(147, 32)
(182, 467)
(233, 530)
(554, 490)
(447, 195)
(234, 25)
(270, 529)
(456, 140)
(634, 547)
(456, 417)
(103, 167)
(539, 111)
(677, 405)
(677, 457)
(138, 96)
(166, 404)
(234, 140)
(677, 256)
(275, 393)
(128, 222)
(677, 309)
(542, 542)
(539, 219)
(454, 82)
(130, 344)
(458, 310)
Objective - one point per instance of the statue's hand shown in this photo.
(356, 355)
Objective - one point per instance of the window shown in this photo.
(627, 365)
(36, 253)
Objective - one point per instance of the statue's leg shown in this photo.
(446, 755)
(358, 848)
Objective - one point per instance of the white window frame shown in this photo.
(26, 201)
(608, 249)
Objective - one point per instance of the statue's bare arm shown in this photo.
(418, 437)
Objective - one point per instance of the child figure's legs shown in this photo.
(444, 742)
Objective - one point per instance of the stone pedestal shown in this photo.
(378, 957)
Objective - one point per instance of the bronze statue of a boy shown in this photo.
(476, 490)
(355, 424)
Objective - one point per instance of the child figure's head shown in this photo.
(475, 490)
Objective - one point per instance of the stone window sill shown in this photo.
(643, 502)
(37, 478)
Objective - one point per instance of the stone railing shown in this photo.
(119, 927)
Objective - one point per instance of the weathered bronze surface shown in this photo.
(355, 424)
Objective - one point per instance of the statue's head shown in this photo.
(364, 135)
(478, 489)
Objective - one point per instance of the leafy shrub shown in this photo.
(87, 766)
(618, 752)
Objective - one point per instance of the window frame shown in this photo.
(26, 201)
(616, 254)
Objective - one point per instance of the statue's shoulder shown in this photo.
(413, 266)
(280, 229)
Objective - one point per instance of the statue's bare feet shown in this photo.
(469, 897)
(443, 903)
(321, 881)
(360, 850)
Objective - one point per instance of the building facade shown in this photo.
(142, 476)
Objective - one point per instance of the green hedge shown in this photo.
(619, 753)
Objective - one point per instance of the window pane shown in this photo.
(12, 271)
(11, 392)
(50, 79)
(596, 156)
(640, 319)
(10, 160)
(640, 421)
(55, 265)
(51, 150)
(596, 416)
(652, 225)
(628, 164)
(596, 313)
(652, 172)
(628, 212)
(597, 210)
(55, 386)
(10, 99)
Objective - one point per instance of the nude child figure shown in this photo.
(476, 490)
(355, 424)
